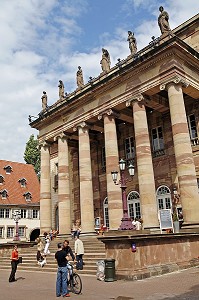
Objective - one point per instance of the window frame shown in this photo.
(131, 142)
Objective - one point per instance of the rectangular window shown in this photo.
(198, 183)
(160, 203)
(2, 210)
(23, 213)
(7, 213)
(1, 232)
(35, 214)
(157, 141)
(129, 148)
(193, 130)
(21, 231)
(10, 232)
(103, 159)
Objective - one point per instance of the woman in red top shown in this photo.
(14, 262)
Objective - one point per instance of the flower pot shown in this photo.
(176, 226)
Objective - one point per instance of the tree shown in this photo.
(32, 154)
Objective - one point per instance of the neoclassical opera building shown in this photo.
(145, 110)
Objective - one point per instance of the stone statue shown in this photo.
(132, 43)
(163, 21)
(80, 80)
(44, 100)
(61, 89)
(105, 61)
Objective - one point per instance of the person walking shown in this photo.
(40, 248)
(14, 262)
(79, 252)
(62, 272)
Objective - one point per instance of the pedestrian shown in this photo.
(76, 228)
(62, 272)
(79, 252)
(14, 262)
(69, 253)
(40, 247)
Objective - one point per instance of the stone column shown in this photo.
(112, 161)
(189, 196)
(146, 180)
(63, 186)
(45, 190)
(85, 176)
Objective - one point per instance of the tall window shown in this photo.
(21, 231)
(103, 159)
(2, 211)
(7, 213)
(164, 198)
(129, 148)
(193, 130)
(133, 200)
(10, 232)
(23, 213)
(157, 141)
(106, 215)
(1, 232)
(34, 213)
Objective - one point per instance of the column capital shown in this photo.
(173, 80)
(44, 144)
(108, 112)
(135, 98)
(82, 125)
(61, 136)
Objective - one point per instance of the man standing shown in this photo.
(79, 252)
(62, 272)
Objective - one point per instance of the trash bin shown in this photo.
(109, 269)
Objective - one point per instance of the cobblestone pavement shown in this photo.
(183, 285)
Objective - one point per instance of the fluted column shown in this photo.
(189, 196)
(144, 164)
(112, 159)
(85, 176)
(63, 186)
(45, 190)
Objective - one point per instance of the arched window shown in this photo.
(133, 200)
(106, 215)
(164, 197)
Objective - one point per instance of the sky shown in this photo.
(44, 41)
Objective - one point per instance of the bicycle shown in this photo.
(74, 281)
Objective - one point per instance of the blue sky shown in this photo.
(43, 41)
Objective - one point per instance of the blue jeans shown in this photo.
(79, 264)
(61, 283)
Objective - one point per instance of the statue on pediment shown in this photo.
(44, 99)
(105, 61)
(80, 80)
(61, 89)
(163, 21)
(132, 42)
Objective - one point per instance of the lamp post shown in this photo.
(126, 223)
(16, 216)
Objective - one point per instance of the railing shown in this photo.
(195, 141)
(157, 153)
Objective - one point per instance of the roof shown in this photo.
(13, 186)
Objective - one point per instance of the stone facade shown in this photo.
(145, 111)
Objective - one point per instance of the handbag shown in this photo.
(20, 260)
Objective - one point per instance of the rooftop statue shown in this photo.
(105, 61)
(61, 89)
(132, 43)
(44, 100)
(80, 80)
(163, 21)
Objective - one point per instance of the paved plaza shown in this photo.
(181, 285)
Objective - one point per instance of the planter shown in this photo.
(176, 226)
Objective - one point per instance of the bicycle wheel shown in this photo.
(76, 285)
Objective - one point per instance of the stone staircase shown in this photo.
(94, 251)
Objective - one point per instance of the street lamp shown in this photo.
(16, 216)
(126, 223)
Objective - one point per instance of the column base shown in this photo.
(126, 224)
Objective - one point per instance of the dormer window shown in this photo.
(28, 196)
(8, 169)
(23, 182)
(4, 194)
(1, 179)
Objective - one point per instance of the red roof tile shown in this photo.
(13, 186)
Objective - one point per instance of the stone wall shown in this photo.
(155, 254)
